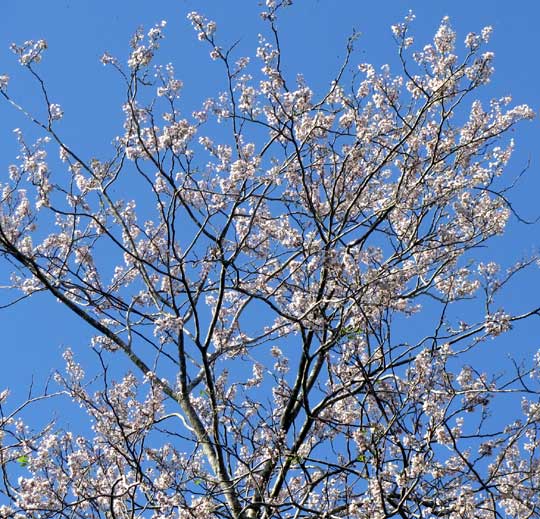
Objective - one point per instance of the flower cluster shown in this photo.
(30, 51)
(497, 323)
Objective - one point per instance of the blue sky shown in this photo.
(313, 36)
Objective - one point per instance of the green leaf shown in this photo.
(22, 460)
(297, 460)
(361, 457)
(197, 481)
(350, 332)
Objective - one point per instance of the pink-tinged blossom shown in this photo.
(497, 323)
(29, 52)
(107, 59)
(56, 112)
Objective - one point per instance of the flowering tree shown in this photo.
(292, 278)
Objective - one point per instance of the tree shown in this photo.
(294, 280)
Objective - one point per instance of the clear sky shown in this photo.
(314, 34)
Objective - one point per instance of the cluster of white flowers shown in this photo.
(167, 326)
(142, 54)
(497, 323)
(56, 112)
(29, 52)
(4, 80)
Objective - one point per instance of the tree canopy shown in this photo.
(293, 278)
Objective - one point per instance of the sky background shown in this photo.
(314, 33)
